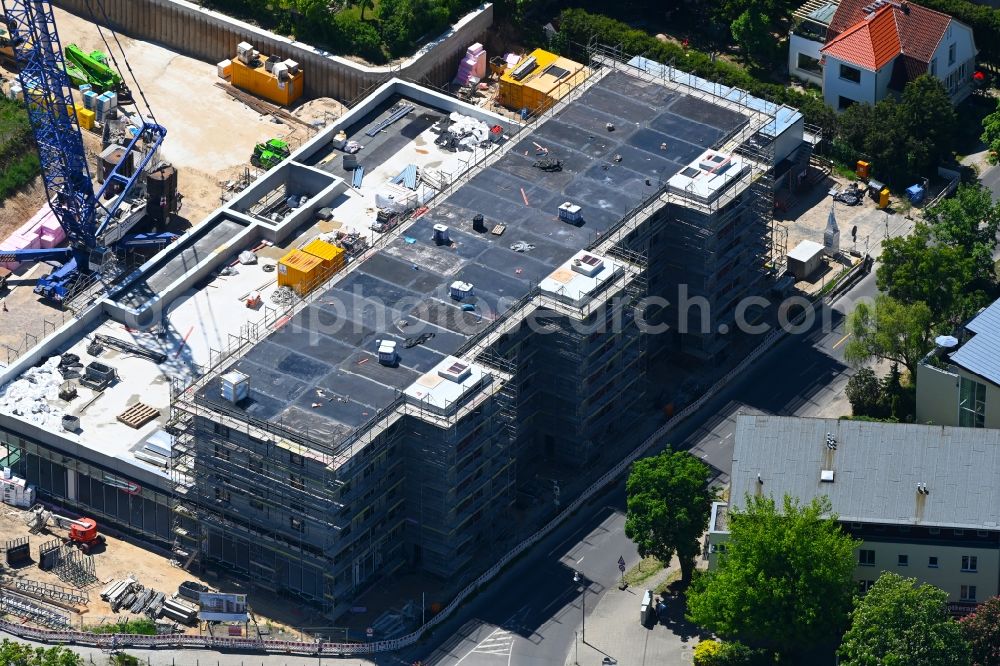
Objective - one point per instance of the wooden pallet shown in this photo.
(138, 415)
(498, 229)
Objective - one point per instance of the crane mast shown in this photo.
(93, 222)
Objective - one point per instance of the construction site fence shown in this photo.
(115, 641)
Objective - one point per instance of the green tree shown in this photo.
(668, 503)
(991, 133)
(970, 221)
(751, 31)
(13, 653)
(898, 623)
(784, 582)
(929, 116)
(981, 630)
(862, 391)
(891, 331)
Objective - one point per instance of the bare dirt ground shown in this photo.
(120, 558)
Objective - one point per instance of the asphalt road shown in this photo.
(529, 615)
(991, 179)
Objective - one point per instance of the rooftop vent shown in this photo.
(235, 387)
(831, 442)
(588, 265)
(387, 352)
(922, 489)
(826, 476)
(461, 290)
(570, 212)
(479, 223)
(457, 372)
(441, 236)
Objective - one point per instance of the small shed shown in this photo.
(805, 259)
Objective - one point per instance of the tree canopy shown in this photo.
(13, 653)
(891, 331)
(784, 581)
(906, 139)
(947, 261)
(981, 630)
(898, 623)
(668, 506)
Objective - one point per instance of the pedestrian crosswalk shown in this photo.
(499, 642)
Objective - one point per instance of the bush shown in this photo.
(706, 653)
(141, 626)
(729, 653)
(19, 162)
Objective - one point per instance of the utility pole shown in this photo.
(578, 578)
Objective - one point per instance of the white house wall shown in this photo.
(965, 55)
(835, 87)
(796, 45)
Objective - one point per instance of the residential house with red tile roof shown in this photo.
(860, 51)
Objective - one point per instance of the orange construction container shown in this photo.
(861, 170)
(260, 82)
(539, 81)
(300, 271)
(331, 255)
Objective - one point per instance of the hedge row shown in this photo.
(18, 156)
(577, 27)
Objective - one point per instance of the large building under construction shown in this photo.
(383, 418)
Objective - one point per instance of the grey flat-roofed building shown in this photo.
(923, 499)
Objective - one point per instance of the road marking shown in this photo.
(499, 642)
(580, 560)
(841, 341)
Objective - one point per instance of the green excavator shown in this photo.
(270, 153)
(93, 69)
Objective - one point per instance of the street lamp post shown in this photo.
(578, 578)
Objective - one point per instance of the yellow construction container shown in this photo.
(86, 117)
(883, 198)
(332, 256)
(539, 80)
(260, 82)
(300, 271)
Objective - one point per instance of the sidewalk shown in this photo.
(613, 630)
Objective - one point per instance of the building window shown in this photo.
(849, 73)
(968, 593)
(222, 495)
(903, 560)
(295, 481)
(971, 404)
(845, 102)
(866, 558)
(933, 66)
(221, 452)
(865, 585)
(296, 459)
(970, 563)
(932, 562)
(809, 64)
(220, 429)
(297, 524)
(256, 465)
(951, 55)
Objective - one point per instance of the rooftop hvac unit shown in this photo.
(461, 290)
(588, 264)
(235, 387)
(441, 236)
(570, 212)
(280, 71)
(387, 352)
(457, 372)
(525, 68)
(270, 63)
(246, 52)
(293, 67)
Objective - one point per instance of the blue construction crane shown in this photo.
(94, 223)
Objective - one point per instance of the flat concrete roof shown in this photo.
(316, 371)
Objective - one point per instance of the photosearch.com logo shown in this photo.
(360, 313)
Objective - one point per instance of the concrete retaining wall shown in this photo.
(186, 28)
